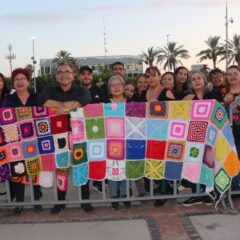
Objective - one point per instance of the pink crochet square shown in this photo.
(48, 162)
(93, 110)
(115, 127)
(191, 172)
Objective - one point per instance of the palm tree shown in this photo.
(150, 56)
(171, 54)
(65, 56)
(213, 51)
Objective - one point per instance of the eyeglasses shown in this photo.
(117, 85)
(20, 79)
(67, 73)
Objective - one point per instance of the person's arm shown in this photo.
(53, 104)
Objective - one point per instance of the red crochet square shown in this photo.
(48, 162)
(156, 149)
(97, 170)
(59, 124)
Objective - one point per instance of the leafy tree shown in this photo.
(171, 54)
(150, 56)
(213, 51)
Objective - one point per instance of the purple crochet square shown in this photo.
(135, 109)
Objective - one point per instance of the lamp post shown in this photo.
(168, 35)
(11, 56)
(228, 20)
(34, 63)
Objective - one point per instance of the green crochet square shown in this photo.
(207, 176)
(135, 169)
(95, 128)
(222, 180)
(80, 153)
(23, 113)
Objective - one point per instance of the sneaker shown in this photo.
(115, 206)
(160, 202)
(97, 188)
(57, 208)
(207, 201)
(37, 208)
(127, 204)
(193, 201)
(87, 207)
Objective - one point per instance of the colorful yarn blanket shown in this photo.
(159, 140)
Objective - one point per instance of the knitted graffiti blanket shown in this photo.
(159, 140)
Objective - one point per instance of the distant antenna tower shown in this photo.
(105, 38)
(11, 56)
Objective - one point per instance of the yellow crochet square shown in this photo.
(154, 169)
(222, 149)
(179, 109)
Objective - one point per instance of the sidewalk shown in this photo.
(170, 222)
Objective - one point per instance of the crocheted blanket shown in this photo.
(159, 140)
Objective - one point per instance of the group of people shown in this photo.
(150, 86)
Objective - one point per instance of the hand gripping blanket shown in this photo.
(172, 140)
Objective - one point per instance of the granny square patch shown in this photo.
(30, 149)
(78, 129)
(77, 113)
(212, 134)
(116, 170)
(157, 130)
(135, 149)
(135, 128)
(18, 169)
(80, 174)
(227, 133)
(135, 169)
(201, 110)
(43, 127)
(197, 131)
(79, 153)
(115, 127)
(95, 128)
(156, 149)
(114, 109)
(93, 110)
(10, 132)
(62, 182)
(207, 176)
(59, 124)
(46, 145)
(62, 160)
(96, 150)
(154, 169)
(219, 115)
(97, 170)
(179, 109)
(61, 142)
(175, 150)
(157, 109)
(173, 170)
(27, 129)
(115, 149)
(191, 172)
(4, 172)
(33, 166)
(232, 164)
(177, 130)
(15, 151)
(46, 179)
(194, 152)
(7, 116)
(222, 180)
(2, 137)
(48, 162)
(135, 109)
(23, 113)
(208, 157)
(39, 111)
(3, 155)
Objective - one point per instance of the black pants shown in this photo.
(17, 190)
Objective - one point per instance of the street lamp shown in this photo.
(34, 63)
(168, 35)
(228, 20)
(11, 56)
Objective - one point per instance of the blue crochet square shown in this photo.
(135, 149)
(173, 170)
(157, 129)
(114, 109)
(46, 145)
(212, 134)
(80, 174)
(30, 149)
(227, 132)
(62, 160)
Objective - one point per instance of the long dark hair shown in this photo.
(185, 85)
(5, 90)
